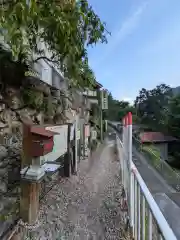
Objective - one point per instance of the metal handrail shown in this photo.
(139, 190)
(159, 217)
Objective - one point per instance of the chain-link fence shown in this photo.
(171, 176)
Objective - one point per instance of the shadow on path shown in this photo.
(86, 206)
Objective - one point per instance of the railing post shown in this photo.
(135, 217)
(150, 230)
(143, 222)
(126, 152)
(131, 179)
(123, 151)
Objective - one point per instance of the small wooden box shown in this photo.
(42, 141)
(42, 147)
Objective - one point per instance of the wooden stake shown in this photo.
(29, 203)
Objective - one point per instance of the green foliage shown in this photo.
(153, 152)
(65, 28)
(173, 116)
(33, 98)
(123, 111)
(160, 111)
(48, 106)
(10, 72)
(172, 126)
(152, 155)
(151, 106)
(118, 109)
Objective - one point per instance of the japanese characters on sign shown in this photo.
(104, 99)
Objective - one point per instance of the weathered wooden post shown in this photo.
(74, 151)
(69, 154)
(37, 141)
(83, 142)
(77, 138)
(86, 139)
(81, 138)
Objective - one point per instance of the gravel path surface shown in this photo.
(86, 206)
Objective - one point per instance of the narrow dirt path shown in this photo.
(85, 206)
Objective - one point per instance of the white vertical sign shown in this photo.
(93, 134)
(104, 99)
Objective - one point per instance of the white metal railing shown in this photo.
(145, 217)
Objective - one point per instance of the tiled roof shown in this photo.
(146, 137)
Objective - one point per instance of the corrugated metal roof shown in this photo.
(40, 130)
(147, 137)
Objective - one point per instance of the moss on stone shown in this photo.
(33, 99)
(49, 107)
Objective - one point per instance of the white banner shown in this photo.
(78, 135)
(72, 132)
(60, 143)
(93, 134)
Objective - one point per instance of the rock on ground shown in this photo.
(86, 206)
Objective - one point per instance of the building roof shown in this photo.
(41, 130)
(147, 137)
(98, 85)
